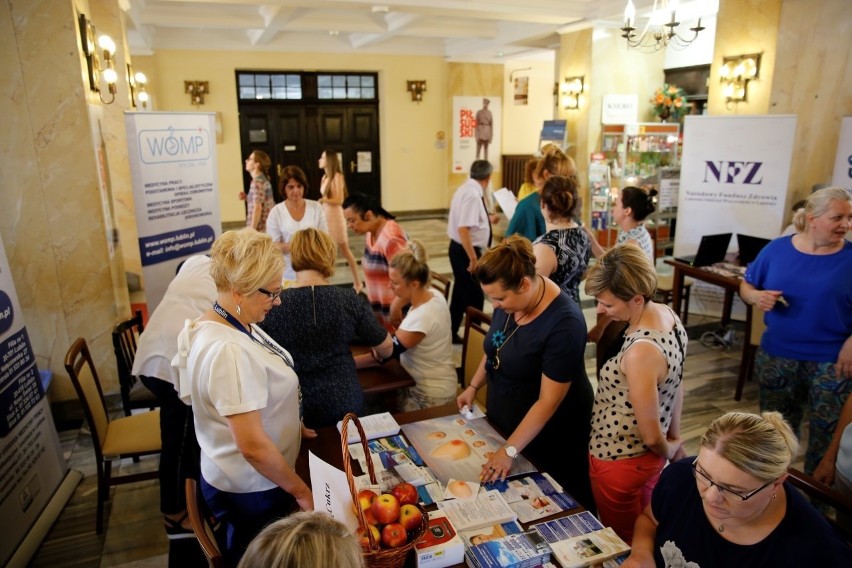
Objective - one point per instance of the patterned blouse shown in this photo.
(572, 248)
(642, 238)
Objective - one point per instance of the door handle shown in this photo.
(353, 168)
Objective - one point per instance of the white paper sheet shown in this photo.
(331, 491)
(507, 201)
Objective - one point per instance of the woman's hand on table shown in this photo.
(843, 367)
(304, 498)
(497, 467)
(466, 398)
(639, 559)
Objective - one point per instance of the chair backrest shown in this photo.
(200, 526)
(475, 328)
(442, 284)
(84, 377)
(818, 491)
(125, 336)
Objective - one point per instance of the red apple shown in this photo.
(364, 540)
(405, 493)
(366, 498)
(394, 535)
(410, 516)
(385, 508)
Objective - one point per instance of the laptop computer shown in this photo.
(749, 247)
(711, 250)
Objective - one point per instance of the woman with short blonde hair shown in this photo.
(732, 506)
(244, 393)
(636, 415)
(316, 322)
(304, 540)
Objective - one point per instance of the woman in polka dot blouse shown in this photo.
(636, 414)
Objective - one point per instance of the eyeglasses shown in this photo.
(272, 295)
(706, 483)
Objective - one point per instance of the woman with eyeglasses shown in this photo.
(244, 394)
(731, 506)
(316, 322)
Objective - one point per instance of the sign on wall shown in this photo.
(476, 132)
(175, 189)
(733, 179)
(843, 163)
(620, 109)
(32, 465)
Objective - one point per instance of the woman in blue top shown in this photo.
(804, 284)
(528, 219)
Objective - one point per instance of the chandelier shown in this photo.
(656, 35)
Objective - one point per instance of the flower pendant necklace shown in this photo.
(502, 338)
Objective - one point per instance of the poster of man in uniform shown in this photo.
(476, 132)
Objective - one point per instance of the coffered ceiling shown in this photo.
(460, 30)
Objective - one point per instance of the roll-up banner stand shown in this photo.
(175, 190)
(733, 179)
(35, 482)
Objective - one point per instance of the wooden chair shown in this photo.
(124, 338)
(476, 324)
(127, 437)
(442, 284)
(754, 328)
(665, 292)
(202, 529)
(818, 491)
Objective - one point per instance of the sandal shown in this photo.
(176, 530)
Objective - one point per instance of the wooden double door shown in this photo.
(296, 135)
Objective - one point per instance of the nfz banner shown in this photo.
(175, 189)
(733, 179)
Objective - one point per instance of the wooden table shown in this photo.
(327, 447)
(388, 377)
(731, 285)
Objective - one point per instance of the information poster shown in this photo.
(733, 179)
(476, 132)
(32, 465)
(175, 189)
(843, 163)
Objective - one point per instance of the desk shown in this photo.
(383, 378)
(326, 446)
(730, 284)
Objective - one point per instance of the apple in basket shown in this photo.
(366, 498)
(394, 535)
(385, 509)
(364, 540)
(410, 517)
(405, 493)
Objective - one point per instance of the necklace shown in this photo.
(502, 338)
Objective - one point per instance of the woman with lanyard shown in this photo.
(538, 393)
(244, 394)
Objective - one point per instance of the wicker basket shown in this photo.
(376, 557)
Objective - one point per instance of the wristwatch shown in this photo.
(511, 451)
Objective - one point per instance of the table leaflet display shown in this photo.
(442, 458)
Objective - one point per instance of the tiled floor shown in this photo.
(134, 536)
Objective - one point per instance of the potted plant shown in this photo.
(669, 102)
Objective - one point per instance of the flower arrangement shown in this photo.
(669, 101)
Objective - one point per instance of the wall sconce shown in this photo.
(196, 90)
(93, 62)
(735, 74)
(416, 88)
(137, 82)
(572, 88)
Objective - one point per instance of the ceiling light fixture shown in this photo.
(660, 30)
